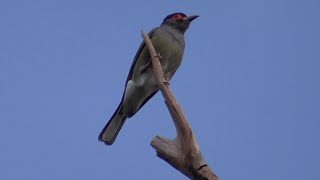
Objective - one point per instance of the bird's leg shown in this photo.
(158, 56)
(165, 81)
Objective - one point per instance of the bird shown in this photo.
(140, 86)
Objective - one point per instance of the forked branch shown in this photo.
(183, 152)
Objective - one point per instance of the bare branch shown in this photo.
(183, 152)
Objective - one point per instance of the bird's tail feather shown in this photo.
(112, 128)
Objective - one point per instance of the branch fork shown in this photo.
(183, 152)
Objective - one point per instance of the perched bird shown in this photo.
(168, 40)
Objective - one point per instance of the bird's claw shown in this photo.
(165, 81)
(158, 56)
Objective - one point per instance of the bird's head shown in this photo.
(179, 21)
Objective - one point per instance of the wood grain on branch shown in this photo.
(183, 152)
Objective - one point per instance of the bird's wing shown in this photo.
(136, 57)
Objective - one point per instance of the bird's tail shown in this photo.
(112, 128)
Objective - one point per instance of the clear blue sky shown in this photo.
(249, 84)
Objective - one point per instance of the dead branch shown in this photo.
(183, 152)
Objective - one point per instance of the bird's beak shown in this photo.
(191, 18)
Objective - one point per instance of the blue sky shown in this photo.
(249, 84)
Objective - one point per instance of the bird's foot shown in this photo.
(165, 81)
(158, 56)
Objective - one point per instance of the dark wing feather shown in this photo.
(144, 102)
(142, 45)
(150, 34)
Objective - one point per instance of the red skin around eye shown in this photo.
(178, 16)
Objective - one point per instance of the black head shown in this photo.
(179, 21)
